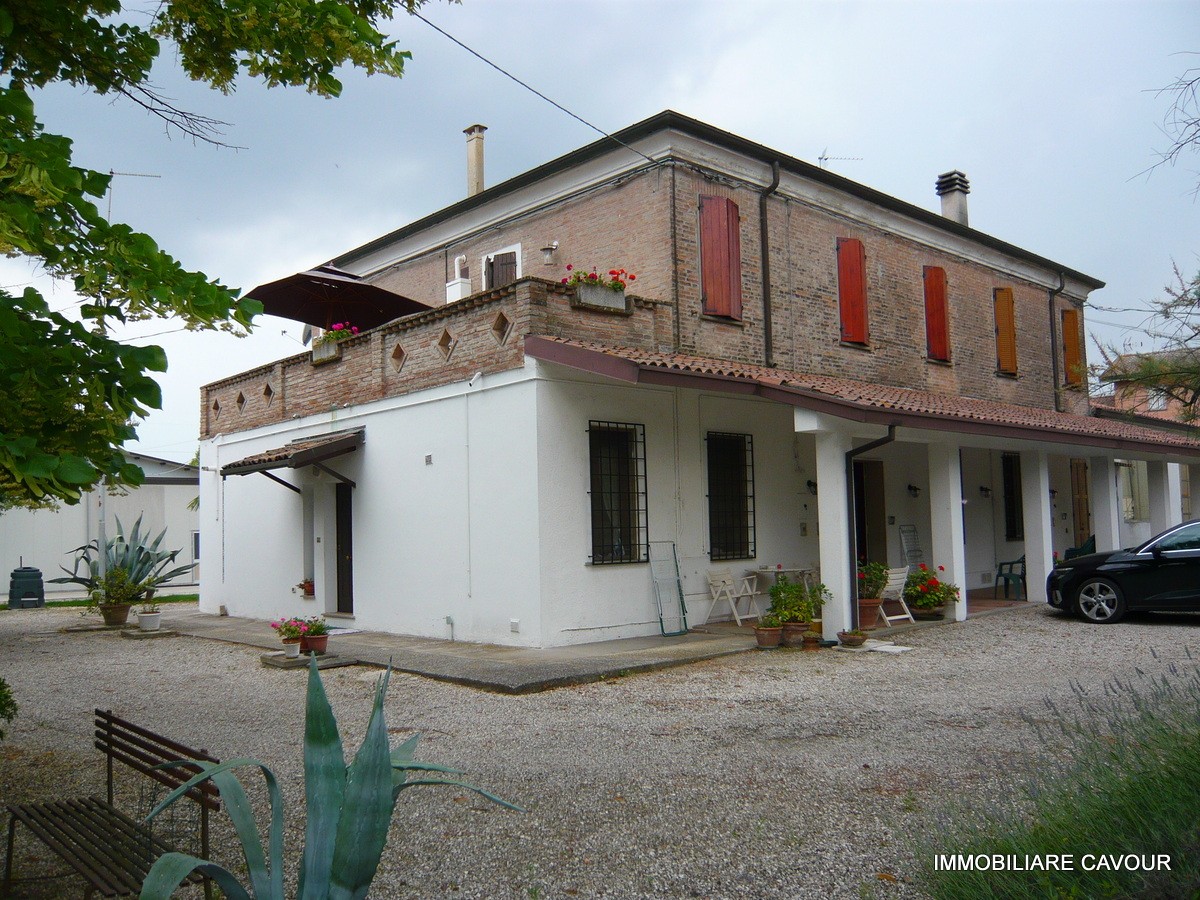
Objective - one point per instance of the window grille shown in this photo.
(1014, 512)
(730, 496)
(617, 452)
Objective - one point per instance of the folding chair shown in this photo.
(723, 585)
(893, 591)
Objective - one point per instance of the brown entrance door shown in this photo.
(345, 549)
(1080, 505)
(870, 514)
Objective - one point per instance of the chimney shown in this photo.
(953, 188)
(474, 158)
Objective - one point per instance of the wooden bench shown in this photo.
(108, 848)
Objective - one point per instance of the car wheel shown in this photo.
(1101, 601)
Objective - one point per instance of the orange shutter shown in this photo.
(720, 258)
(1072, 347)
(1006, 332)
(937, 337)
(852, 289)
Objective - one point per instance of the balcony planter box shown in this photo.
(602, 297)
(326, 352)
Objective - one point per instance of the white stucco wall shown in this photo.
(46, 539)
(452, 537)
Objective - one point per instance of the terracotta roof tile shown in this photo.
(912, 405)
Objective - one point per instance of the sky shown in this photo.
(1050, 108)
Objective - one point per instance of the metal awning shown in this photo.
(309, 451)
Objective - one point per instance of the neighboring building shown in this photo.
(493, 468)
(47, 538)
(1132, 400)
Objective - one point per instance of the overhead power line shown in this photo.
(532, 90)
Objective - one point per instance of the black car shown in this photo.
(1162, 574)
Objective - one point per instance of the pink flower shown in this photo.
(338, 326)
(570, 267)
(779, 565)
(592, 276)
(941, 568)
(565, 280)
(354, 329)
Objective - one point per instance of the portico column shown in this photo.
(1105, 501)
(1035, 500)
(834, 528)
(1163, 483)
(946, 519)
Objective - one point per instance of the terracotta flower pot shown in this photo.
(114, 613)
(314, 643)
(868, 612)
(852, 640)
(768, 637)
(811, 641)
(793, 633)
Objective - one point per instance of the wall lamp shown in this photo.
(914, 491)
(548, 253)
(985, 492)
(812, 487)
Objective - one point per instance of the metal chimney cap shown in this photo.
(953, 181)
(475, 129)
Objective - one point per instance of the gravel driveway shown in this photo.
(768, 775)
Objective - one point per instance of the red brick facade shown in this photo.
(648, 223)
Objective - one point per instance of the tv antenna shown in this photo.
(112, 174)
(825, 157)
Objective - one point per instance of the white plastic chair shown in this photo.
(894, 590)
(723, 585)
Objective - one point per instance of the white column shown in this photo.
(1163, 483)
(834, 529)
(946, 519)
(1035, 500)
(1105, 499)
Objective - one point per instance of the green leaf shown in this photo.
(170, 869)
(324, 788)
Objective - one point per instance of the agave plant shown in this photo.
(349, 810)
(142, 561)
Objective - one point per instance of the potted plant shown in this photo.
(144, 565)
(810, 640)
(768, 631)
(308, 587)
(290, 631)
(113, 596)
(327, 347)
(872, 576)
(789, 603)
(926, 594)
(855, 637)
(149, 615)
(596, 289)
(314, 636)
(818, 596)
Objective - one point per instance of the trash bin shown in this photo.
(25, 588)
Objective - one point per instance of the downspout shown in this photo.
(768, 349)
(1053, 295)
(850, 456)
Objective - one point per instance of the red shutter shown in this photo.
(937, 336)
(852, 289)
(1072, 347)
(1006, 331)
(720, 258)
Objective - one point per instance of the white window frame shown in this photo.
(488, 257)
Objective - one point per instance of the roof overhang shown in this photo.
(299, 453)
(861, 402)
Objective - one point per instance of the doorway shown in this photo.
(344, 546)
(870, 511)
(1080, 506)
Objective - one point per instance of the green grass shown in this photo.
(1117, 775)
(161, 601)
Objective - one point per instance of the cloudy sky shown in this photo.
(1048, 107)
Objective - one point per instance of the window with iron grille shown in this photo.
(617, 452)
(1014, 514)
(730, 496)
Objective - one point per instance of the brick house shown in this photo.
(803, 369)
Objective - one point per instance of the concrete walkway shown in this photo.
(508, 670)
